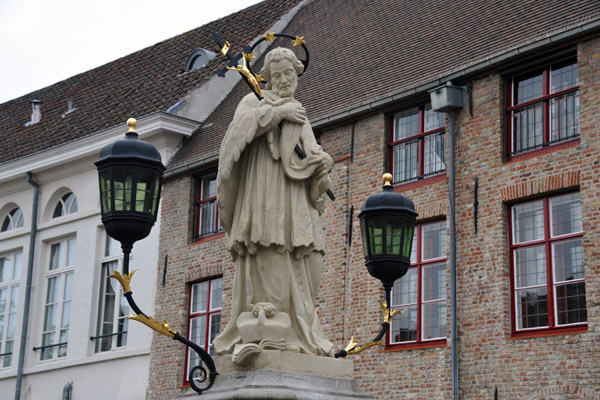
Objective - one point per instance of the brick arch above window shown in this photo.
(546, 184)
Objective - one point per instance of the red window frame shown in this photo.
(547, 242)
(418, 264)
(545, 100)
(420, 137)
(206, 201)
(207, 313)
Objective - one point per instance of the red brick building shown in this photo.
(527, 197)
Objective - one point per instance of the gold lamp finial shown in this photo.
(131, 123)
(387, 179)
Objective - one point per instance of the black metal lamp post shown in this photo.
(130, 177)
(387, 224)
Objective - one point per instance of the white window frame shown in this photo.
(64, 271)
(112, 256)
(10, 285)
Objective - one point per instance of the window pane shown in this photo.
(123, 321)
(113, 247)
(215, 329)
(434, 282)
(434, 320)
(70, 253)
(570, 303)
(198, 336)
(207, 217)
(17, 266)
(434, 119)
(209, 187)
(5, 268)
(564, 76)
(405, 161)
(199, 297)
(404, 326)
(568, 260)
(532, 308)
(56, 255)
(406, 124)
(566, 214)
(528, 128)
(413, 249)
(434, 240)
(48, 339)
(434, 160)
(528, 222)
(565, 116)
(530, 267)
(528, 87)
(216, 293)
(405, 289)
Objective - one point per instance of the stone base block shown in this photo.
(283, 375)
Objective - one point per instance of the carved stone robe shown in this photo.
(269, 205)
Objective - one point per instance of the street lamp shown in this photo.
(387, 224)
(130, 177)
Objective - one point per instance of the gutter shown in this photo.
(32, 237)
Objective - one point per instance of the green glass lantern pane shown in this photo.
(394, 236)
(123, 181)
(375, 236)
(363, 234)
(409, 231)
(105, 191)
(143, 195)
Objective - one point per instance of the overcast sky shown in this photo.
(45, 41)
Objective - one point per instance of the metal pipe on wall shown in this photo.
(452, 258)
(32, 238)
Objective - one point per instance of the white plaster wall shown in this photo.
(118, 374)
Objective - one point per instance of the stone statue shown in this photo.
(270, 201)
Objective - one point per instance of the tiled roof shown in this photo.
(361, 51)
(146, 81)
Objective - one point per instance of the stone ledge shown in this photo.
(281, 385)
(289, 362)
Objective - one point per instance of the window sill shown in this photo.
(421, 182)
(412, 346)
(549, 332)
(544, 150)
(208, 238)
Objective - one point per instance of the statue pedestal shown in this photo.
(275, 374)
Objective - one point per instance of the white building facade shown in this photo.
(78, 342)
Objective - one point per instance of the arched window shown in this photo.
(65, 206)
(13, 220)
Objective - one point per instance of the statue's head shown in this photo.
(281, 71)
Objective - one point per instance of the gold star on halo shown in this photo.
(248, 57)
(299, 41)
(259, 78)
(270, 36)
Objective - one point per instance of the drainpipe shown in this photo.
(450, 99)
(452, 200)
(32, 237)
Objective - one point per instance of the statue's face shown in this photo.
(283, 78)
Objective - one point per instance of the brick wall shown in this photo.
(563, 366)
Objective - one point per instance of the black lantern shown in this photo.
(387, 223)
(130, 176)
